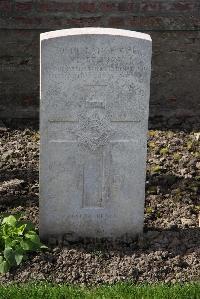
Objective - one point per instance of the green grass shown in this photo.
(117, 291)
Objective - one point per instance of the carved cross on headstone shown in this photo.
(94, 131)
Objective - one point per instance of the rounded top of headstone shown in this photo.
(94, 30)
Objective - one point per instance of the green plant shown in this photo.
(16, 239)
(164, 150)
(155, 169)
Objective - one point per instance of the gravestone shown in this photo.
(95, 85)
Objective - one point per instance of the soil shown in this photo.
(169, 249)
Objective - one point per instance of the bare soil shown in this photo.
(169, 250)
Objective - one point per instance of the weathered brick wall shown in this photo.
(174, 26)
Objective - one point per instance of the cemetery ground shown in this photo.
(169, 250)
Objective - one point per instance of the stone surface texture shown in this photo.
(95, 85)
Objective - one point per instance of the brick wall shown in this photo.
(174, 26)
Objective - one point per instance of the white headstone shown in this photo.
(95, 85)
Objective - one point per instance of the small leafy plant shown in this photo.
(17, 237)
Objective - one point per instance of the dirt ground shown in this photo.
(169, 250)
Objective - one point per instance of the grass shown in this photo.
(117, 291)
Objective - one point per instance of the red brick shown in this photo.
(166, 6)
(196, 22)
(87, 7)
(37, 22)
(130, 6)
(151, 6)
(182, 6)
(28, 21)
(178, 7)
(23, 6)
(48, 21)
(172, 99)
(5, 6)
(27, 100)
(116, 22)
(92, 21)
(52, 6)
(144, 22)
(108, 7)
